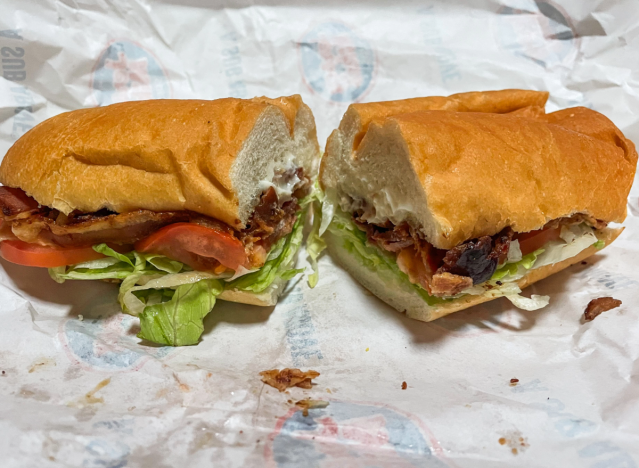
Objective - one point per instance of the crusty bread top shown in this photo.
(160, 155)
(359, 116)
(461, 175)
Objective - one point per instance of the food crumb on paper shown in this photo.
(597, 306)
(367, 349)
(404, 385)
(309, 404)
(287, 378)
(515, 441)
(514, 382)
(80, 317)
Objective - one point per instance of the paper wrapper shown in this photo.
(86, 393)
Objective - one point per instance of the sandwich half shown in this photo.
(182, 201)
(437, 204)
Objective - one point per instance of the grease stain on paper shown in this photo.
(89, 398)
(27, 391)
(42, 363)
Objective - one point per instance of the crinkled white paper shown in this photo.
(86, 393)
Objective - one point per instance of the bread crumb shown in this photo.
(404, 385)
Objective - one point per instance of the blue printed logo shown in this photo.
(353, 435)
(300, 331)
(336, 63)
(108, 344)
(549, 41)
(127, 72)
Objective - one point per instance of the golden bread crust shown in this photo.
(484, 172)
(471, 164)
(160, 155)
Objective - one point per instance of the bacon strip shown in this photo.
(14, 201)
(23, 219)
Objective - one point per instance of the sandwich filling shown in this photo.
(445, 273)
(171, 265)
(490, 265)
(203, 243)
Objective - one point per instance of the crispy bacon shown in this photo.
(446, 273)
(125, 228)
(270, 221)
(286, 378)
(22, 218)
(477, 258)
(598, 306)
(14, 201)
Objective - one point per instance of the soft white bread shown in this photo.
(268, 297)
(163, 155)
(402, 297)
(458, 175)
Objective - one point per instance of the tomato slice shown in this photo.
(534, 240)
(23, 253)
(183, 241)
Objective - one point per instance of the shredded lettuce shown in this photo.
(314, 243)
(179, 321)
(574, 239)
(516, 270)
(535, 301)
(168, 296)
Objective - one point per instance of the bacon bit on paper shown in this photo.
(287, 378)
(308, 404)
(404, 385)
(599, 305)
(514, 382)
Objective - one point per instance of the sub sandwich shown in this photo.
(437, 204)
(182, 201)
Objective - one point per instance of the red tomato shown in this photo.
(188, 241)
(23, 253)
(533, 240)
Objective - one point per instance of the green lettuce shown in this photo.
(511, 269)
(179, 320)
(277, 263)
(168, 296)
(314, 243)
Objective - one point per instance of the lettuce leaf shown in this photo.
(314, 243)
(179, 321)
(516, 270)
(535, 301)
(163, 292)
